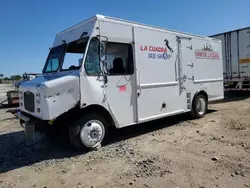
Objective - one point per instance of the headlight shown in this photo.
(20, 95)
(38, 98)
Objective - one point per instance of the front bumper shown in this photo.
(23, 117)
(29, 128)
(30, 124)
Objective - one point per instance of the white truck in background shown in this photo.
(107, 72)
(236, 55)
(27, 77)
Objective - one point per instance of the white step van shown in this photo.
(110, 72)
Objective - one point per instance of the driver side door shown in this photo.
(121, 87)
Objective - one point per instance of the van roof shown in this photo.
(131, 23)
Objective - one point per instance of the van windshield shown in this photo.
(54, 58)
(66, 56)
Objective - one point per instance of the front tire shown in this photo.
(199, 106)
(88, 132)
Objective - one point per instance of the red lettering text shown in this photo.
(201, 54)
(144, 48)
(153, 49)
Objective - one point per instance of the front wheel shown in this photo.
(199, 107)
(88, 132)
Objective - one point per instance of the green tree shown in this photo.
(16, 77)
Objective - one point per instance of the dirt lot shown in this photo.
(173, 152)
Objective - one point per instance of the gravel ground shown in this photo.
(174, 152)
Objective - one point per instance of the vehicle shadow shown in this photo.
(149, 127)
(15, 152)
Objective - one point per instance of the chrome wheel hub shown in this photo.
(201, 106)
(92, 133)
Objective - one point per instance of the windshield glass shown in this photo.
(74, 54)
(70, 56)
(54, 58)
(92, 63)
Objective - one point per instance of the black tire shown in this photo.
(195, 113)
(76, 127)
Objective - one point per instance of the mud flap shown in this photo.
(29, 130)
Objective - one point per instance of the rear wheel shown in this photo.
(199, 107)
(88, 132)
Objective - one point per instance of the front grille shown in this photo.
(29, 101)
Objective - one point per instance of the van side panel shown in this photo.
(208, 68)
(157, 74)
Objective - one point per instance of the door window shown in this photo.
(119, 59)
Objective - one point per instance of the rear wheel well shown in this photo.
(199, 109)
(101, 111)
(202, 92)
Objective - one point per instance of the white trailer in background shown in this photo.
(111, 72)
(236, 55)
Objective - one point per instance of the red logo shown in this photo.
(153, 49)
(207, 53)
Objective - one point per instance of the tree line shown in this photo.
(14, 77)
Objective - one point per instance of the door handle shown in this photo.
(138, 82)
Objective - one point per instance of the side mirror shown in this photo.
(103, 51)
